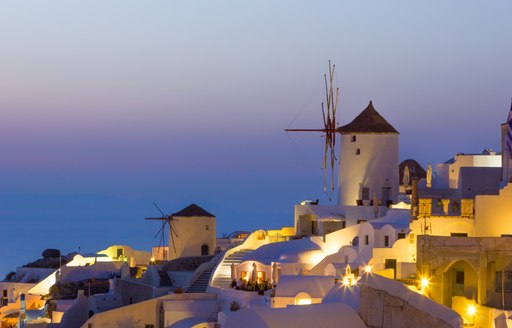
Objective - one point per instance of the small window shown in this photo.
(366, 239)
(459, 234)
(89, 325)
(401, 235)
(386, 241)
(459, 277)
(4, 293)
(207, 227)
(358, 151)
(353, 139)
(119, 252)
(4, 301)
(346, 259)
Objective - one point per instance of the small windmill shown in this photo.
(167, 220)
(329, 120)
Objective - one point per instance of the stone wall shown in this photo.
(380, 309)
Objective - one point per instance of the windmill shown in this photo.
(329, 121)
(167, 220)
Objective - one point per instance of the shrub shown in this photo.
(234, 306)
(51, 253)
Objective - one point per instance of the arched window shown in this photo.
(302, 299)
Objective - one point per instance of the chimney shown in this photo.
(414, 199)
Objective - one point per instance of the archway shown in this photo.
(459, 279)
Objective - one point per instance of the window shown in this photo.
(353, 139)
(386, 241)
(365, 193)
(358, 151)
(149, 326)
(507, 284)
(401, 235)
(346, 259)
(459, 277)
(459, 234)
(366, 239)
(4, 301)
(207, 227)
(4, 293)
(343, 224)
(89, 325)
(119, 252)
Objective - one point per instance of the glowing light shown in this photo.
(303, 301)
(424, 283)
(152, 259)
(368, 269)
(349, 279)
(471, 310)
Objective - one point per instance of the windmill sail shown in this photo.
(329, 109)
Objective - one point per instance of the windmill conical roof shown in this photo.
(192, 210)
(369, 121)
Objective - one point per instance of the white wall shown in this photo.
(140, 257)
(177, 310)
(334, 241)
(444, 226)
(493, 214)
(377, 161)
(462, 160)
(447, 175)
(192, 232)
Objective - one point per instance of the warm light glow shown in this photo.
(471, 310)
(368, 269)
(349, 280)
(303, 301)
(152, 259)
(424, 283)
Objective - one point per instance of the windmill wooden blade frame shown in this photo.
(329, 128)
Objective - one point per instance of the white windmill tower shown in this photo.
(369, 160)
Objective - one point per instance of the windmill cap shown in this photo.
(193, 210)
(368, 121)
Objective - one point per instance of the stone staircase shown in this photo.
(222, 275)
(201, 283)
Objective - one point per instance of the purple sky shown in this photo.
(109, 106)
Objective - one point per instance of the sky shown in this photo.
(109, 106)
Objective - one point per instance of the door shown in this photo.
(204, 249)
(458, 283)
(391, 264)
